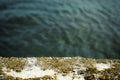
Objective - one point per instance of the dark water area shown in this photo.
(87, 28)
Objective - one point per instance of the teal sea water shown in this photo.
(87, 28)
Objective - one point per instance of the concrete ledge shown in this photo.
(59, 68)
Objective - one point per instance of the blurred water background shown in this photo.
(87, 28)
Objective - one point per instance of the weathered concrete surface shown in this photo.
(62, 68)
